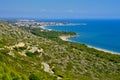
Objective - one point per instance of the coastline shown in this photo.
(104, 50)
(44, 27)
(66, 38)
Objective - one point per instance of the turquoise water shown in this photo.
(103, 34)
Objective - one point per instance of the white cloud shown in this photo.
(70, 11)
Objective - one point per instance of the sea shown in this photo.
(99, 33)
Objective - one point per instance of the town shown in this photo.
(32, 23)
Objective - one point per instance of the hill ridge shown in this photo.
(25, 56)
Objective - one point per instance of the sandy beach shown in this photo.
(66, 38)
(43, 27)
(104, 50)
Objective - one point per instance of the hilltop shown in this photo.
(32, 54)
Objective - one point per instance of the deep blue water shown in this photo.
(103, 34)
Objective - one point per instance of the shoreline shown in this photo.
(44, 27)
(66, 38)
(104, 50)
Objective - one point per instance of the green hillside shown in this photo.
(27, 54)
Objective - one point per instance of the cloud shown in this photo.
(70, 11)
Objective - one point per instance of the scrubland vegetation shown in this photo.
(32, 54)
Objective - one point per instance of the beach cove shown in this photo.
(94, 34)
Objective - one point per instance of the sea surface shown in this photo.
(104, 34)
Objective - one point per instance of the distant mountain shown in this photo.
(28, 55)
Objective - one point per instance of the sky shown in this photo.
(59, 9)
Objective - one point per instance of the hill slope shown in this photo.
(25, 56)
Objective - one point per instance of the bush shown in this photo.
(34, 77)
(30, 54)
(19, 48)
(69, 66)
(14, 75)
(1, 57)
(5, 51)
(6, 77)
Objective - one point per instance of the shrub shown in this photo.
(1, 57)
(6, 77)
(34, 77)
(5, 51)
(20, 48)
(30, 54)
